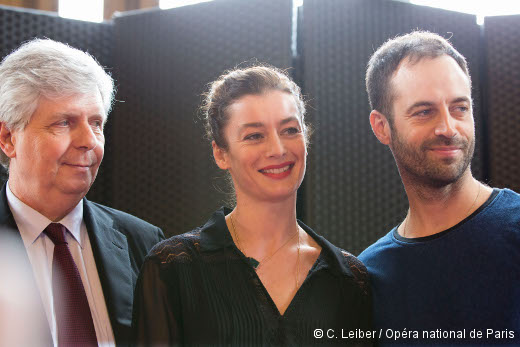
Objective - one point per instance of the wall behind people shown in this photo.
(164, 171)
(502, 84)
(109, 8)
(157, 164)
(43, 5)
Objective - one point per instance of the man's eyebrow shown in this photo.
(62, 114)
(462, 99)
(429, 103)
(73, 114)
(419, 104)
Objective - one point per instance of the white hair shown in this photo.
(50, 69)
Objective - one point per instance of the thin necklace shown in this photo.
(235, 233)
(467, 213)
(298, 263)
(267, 258)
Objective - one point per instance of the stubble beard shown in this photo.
(418, 167)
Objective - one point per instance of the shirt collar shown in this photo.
(31, 223)
(331, 257)
(215, 235)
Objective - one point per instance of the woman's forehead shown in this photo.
(270, 107)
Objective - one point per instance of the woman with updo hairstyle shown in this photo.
(253, 275)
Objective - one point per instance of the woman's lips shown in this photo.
(277, 171)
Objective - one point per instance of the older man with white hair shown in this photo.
(54, 102)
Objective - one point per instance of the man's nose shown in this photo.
(85, 137)
(446, 125)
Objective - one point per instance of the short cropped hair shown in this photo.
(43, 67)
(385, 61)
(237, 83)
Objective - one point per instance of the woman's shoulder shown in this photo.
(358, 270)
(181, 248)
(343, 260)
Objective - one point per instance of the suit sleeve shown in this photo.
(153, 319)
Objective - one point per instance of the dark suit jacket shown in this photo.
(119, 243)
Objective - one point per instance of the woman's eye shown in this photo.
(255, 136)
(292, 131)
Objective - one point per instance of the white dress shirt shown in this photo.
(40, 250)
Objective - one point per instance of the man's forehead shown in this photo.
(90, 104)
(429, 76)
(413, 64)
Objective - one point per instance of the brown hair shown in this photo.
(385, 61)
(237, 83)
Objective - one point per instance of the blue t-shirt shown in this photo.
(459, 286)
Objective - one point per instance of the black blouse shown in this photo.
(198, 288)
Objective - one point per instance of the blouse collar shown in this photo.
(215, 235)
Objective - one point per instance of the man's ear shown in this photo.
(220, 156)
(380, 127)
(6, 140)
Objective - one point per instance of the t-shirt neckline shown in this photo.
(398, 237)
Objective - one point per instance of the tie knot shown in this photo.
(56, 232)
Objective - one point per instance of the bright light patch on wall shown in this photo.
(164, 4)
(481, 8)
(294, 36)
(91, 10)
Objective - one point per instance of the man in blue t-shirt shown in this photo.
(450, 272)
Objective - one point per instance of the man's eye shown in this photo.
(423, 113)
(63, 123)
(255, 136)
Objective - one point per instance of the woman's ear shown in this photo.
(220, 155)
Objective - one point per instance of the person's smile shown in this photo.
(278, 171)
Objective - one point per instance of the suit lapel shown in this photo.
(6, 217)
(110, 249)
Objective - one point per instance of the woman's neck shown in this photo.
(262, 227)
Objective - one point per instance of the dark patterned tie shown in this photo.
(73, 317)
